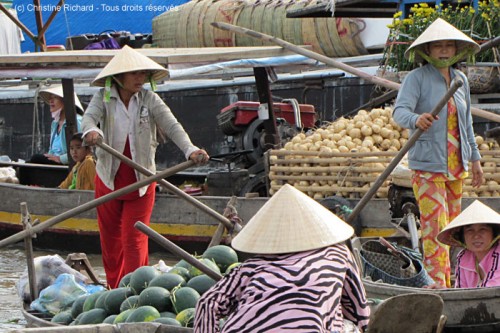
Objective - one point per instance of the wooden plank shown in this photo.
(163, 56)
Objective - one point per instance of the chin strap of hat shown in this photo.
(152, 82)
(443, 63)
(107, 89)
(493, 242)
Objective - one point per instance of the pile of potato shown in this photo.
(346, 157)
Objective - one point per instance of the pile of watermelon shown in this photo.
(150, 295)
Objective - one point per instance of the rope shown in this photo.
(67, 26)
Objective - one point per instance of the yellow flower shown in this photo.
(398, 14)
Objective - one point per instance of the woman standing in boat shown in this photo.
(58, 152)
(477, 230)
(441, 155)
(301, 279)
(127, 117)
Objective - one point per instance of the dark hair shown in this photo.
(459, 234)
(77, 136)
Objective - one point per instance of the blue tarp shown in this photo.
(78, 17)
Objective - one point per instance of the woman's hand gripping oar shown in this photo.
(170, 246)
(230, 226)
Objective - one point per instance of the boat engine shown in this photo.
(245, 137)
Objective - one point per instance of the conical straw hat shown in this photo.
(58, 91)
(441, 30)
(129, 60)
(291, 222)
(476, 213)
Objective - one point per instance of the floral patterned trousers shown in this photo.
(439, 203)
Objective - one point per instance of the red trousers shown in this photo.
(123, 247)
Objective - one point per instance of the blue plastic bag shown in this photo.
(59, 296)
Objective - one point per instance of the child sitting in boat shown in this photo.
(477, 230)
(303, 278)
(82, 175)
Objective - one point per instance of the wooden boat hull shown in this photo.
(42, 324)
(173, 217)
(468, 310)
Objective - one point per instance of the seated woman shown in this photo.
(57, 153)
(302, 279)
(477, 230)
(82, 175)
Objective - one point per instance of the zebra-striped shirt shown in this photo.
(310, 291)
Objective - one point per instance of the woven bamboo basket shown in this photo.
(190, 26)
(194, 38)
(227, 12)
(164, 24)
(482, 79)
(326, 40)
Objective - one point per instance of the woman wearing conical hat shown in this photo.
(58, 151)
(301, 279)
(440, 157)
(477, 230)
(127, 117)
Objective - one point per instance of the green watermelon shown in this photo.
(186, 317)
(89, 303)
(167, 314)
(168, 321)
(93, 316)
(183, 298)
(110, 319)
(122, 317)
(143, 314)
(236, 264)
(207, 262)
(181, 271)
(183, 263)
(201, 283)
(130, 302)
(141, 277)
(63, 318)
(115, 298)
(99, 303)
(168, 281)
(223, 256)
(157, 297)
(77, 306)
(125, 281)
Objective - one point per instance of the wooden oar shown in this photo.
(455, 84)
(94, 203)
(28, 247)
(170, 246)
(172, 188)
(337, 64)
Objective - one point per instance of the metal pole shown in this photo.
(170, 187)
(170, 246)
(94, 203)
